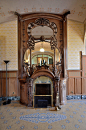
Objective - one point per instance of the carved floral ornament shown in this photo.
(42, 22)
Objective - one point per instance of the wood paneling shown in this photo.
(12, 87)
(71, 86)
(83, 85)
(4, 87)
(76, 83)
(0, 88)
(77, 78)
(78, 86)
(12, 83)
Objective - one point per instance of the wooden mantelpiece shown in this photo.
(26, 22)
(26, 87)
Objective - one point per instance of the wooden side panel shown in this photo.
(83, 85)
(71, 86)
(18, 87)
(4, 87)
(12, 87)
(12, 83)
(23, 94)
(78, 86)
(0, 88)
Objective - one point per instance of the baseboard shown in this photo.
(12, 98)
(69, 97)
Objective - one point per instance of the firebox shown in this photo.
(42, 97)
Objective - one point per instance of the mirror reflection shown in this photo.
(45, 31)
(42, 53)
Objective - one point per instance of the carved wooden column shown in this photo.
(23, 91)
(62, 91)
(30, 95)
(54, 61)
(57, 82)
(65, 46)
(30, 59)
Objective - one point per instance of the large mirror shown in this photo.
(42, 54)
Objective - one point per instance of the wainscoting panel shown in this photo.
(76, 83)
(12, 84)
(0, 88)
(78, 86)
(4, 87)
(84, 86)
(71, 86)
(12, 87)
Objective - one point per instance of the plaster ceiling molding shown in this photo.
(76, 7)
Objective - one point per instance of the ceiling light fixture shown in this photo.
(42, 49)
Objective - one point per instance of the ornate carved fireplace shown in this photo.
(55, 45)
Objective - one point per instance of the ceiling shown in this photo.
(77, 8)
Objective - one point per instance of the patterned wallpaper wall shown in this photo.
(8, 45)
(75, 43)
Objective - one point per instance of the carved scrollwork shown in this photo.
(42, 22)
(30, 26)
(61, 48)
(53, 42)
(46, 22)
(31, 42)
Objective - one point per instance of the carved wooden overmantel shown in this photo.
(26, 22)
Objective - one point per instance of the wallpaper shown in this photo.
(8, 45)
(75, 43)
